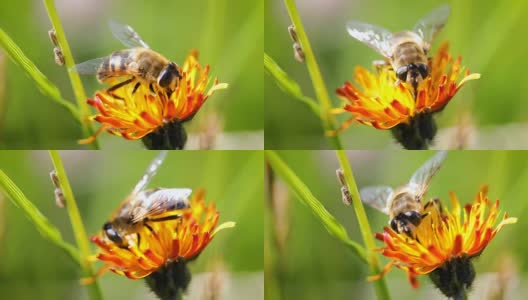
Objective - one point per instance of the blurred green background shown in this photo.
(314, 265)
(487, 34)
(227, 33)
(33, 268)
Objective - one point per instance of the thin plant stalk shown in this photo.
(315, 74)
(77, 86)
(77, 224)
(364, 226)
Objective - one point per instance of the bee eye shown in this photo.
(401, 73)
(181, 205)
(107, 226)
(414, 217)
(165, 77)
(423, 69)
(394, 225)
(168, 74)
(112, 234)
(175, 70)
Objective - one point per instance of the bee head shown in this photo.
(413, 217)
(169, 76)
(413, 73)
(112, 234)
(406, 222)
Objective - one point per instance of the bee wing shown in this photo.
(160, 200)
(375, 37)
(150, 172)
(127, 35)
(422, 177)
(430, 25)
(90, 66)
(377, 197)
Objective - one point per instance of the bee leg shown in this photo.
(138, 239)
(149, 228)
(135, 88)
(116, 86)
(151, 88)
(172, 217)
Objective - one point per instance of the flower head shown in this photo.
(445, 241)
(136, 113)
(384, 102)
(178, 240)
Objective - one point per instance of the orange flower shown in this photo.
(445, 242)
(169, 241)
(383, 102)
(142, 112)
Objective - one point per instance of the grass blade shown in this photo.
(43, 83)
(77, 225)
(306, 197)
(288, 85)
(46, 229)
(77, 86)
(315, 74)
(380, 285)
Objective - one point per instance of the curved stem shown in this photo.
(78, 227)
(77, 86)
(304, 194)
(364, 226)
(46, 229)
(315, 75)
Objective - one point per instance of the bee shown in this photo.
(406, 50)
(142, 207)
(139, 64)
(405, 204)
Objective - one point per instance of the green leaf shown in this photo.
(46, 229)
(289, 85)
(306, 197)
(43, 84)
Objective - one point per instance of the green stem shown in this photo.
(77, 225)
(305, 195)
(288, 85)
(77, 86)
(315, 74)
(368, 238)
